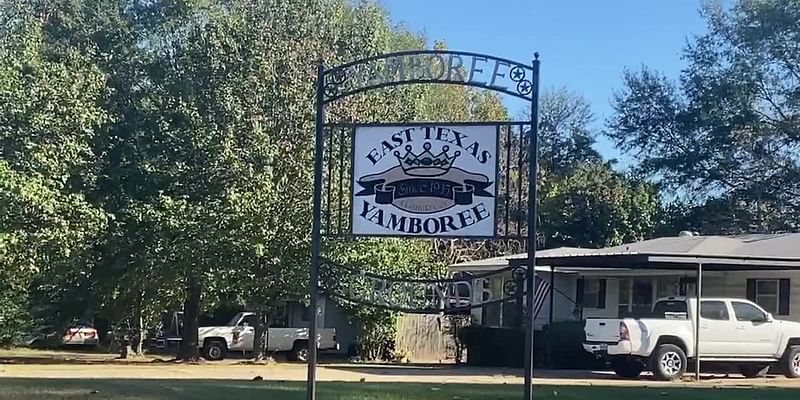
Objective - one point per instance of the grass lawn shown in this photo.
(117, 389)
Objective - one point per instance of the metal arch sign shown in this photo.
(441, 177)
(430, 66)
(457, 295)
(425, 180)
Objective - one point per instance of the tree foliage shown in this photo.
(727, 133)
(49, 116)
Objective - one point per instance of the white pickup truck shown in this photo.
(239, 333)
(733, 332)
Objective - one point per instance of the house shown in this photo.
(626, 280)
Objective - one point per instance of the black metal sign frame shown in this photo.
(424, 67)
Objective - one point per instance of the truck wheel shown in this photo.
(791, 362)
(214, 350)
(299, 352)
(754, 370)
(668, 362)
(626, 367)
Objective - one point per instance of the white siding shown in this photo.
(715, 284)
(735, 285)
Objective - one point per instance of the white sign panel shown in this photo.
(425, 180)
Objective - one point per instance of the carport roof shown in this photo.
(742, 252)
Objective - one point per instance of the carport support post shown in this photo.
(550, 318)
(699, 292)
(533, 153)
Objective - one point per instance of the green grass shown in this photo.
(118, 389)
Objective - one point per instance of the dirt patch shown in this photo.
(103, 366)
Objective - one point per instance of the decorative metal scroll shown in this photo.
(429, 66)
(510, 185)
(421, 296)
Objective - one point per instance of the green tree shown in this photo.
(597, 207)
(726, 135)
(48, 116)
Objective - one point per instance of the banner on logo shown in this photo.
(427, 180)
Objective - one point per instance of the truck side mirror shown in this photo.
(770, 318)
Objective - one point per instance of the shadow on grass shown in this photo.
(138, 389)
(121, 389)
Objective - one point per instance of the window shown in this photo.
(767, 295)
(770, 294)
(716, 310)
(592, 293)
(641, 296)
(249, 320)
(636, 296)
(670, 309)
(746, 312)
(624, 297)
(667, 287)
(490, 313)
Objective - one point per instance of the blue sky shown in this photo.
(584, 45)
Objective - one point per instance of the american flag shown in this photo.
(539, 296)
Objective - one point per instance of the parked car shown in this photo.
(80, 334)
(733, 332)
(239, 333)
(76, 334)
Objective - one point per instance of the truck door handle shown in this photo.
(740, 328)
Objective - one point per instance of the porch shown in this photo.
(626, 280)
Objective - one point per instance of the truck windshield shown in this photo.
(235, 320)
(670, 309)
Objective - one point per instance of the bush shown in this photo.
(493, 347)
(503, 347)
(13, 321)
(564, 341)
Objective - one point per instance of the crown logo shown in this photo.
(425, 163)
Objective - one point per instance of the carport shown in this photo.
(779, 252)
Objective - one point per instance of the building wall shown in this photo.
(734, 284)
(715, 284)
(346, 330)
(330, 315)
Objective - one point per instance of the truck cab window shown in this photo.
(249, 320)
(670, 309)
(748, 312)
(716, 310)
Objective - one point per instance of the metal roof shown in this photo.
(742, 252)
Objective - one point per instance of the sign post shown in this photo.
(431, 180)
(316, 236)
(533, 157)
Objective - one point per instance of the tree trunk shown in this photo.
(189, 350)
(259, 341)
(138, 336)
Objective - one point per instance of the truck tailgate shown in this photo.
(602, 330)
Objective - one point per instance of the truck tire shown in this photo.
(754, 370)
(214, 350)
(668, 362)
(299, 352)
(791, 362)
(626, 367)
